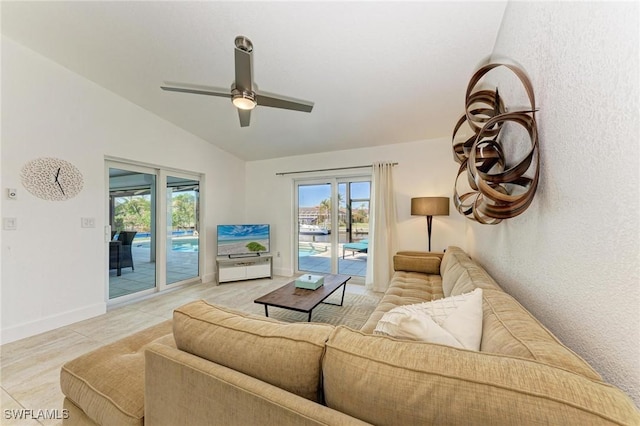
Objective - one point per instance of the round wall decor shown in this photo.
(52, 179)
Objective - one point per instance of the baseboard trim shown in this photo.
(31, 328)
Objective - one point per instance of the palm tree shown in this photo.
(324, 209)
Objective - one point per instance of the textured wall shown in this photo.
(573, 258)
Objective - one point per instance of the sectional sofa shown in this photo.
(216, 366)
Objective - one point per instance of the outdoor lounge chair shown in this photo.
(359, 247)
(126, 258)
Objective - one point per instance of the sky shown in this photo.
(312, 195)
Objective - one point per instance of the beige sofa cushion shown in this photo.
(182, 389)
(473, 277)
(108, 383)
(424, 264)
(452, 268)
(509, 329)
(389, 382)
(405, 288)
(282, 354)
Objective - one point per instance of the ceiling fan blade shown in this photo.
(245, 117)
(279, 101)
(196, 89)
(243, 70)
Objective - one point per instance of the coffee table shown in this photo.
(303, 300)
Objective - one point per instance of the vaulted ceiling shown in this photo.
(378, 72)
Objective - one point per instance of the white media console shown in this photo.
(244, 268)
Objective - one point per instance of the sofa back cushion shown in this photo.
(507, 327)
(474, 276)
(452, 268)
(282, 354)
(385, 381)
(424, 264)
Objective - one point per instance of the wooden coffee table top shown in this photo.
(300, 299)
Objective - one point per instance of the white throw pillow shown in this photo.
(453, 321)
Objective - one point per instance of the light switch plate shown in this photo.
(9, 223)
(88, 222)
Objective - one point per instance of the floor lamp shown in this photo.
(429, 207)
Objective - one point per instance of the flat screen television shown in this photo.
(243, 240)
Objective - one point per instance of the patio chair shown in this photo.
(126, 258)
(359, 247)
(114, 256)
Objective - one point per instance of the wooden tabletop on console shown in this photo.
(300, 299)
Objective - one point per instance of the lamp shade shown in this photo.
(430, 206)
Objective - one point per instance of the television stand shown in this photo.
(244, 268)
(240, 256)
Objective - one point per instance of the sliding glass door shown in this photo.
(314, 227)
(132, 214)
(354, 230)
(333, 225)
(183, 223)
(154, 216)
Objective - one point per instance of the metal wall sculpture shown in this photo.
(497, 189)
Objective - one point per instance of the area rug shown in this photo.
(353, 313)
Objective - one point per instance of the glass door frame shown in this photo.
(164, 174)
(335, 215)
(161, 174)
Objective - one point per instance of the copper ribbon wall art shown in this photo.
(496, 189)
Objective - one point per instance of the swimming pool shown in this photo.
(304, 251)
(188, 245)
(185, 244)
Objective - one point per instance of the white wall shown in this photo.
(573, 258)
(425, 168)
(53, 271)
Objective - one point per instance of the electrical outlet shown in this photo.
(12, 193)
(278, 254)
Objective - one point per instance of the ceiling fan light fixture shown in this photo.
(243, 89)
(244, 100)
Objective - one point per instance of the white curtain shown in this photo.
(382, 229)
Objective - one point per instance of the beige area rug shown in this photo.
(353, 313)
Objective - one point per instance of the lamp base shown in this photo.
(429, 222)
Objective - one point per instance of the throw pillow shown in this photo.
(454, 321)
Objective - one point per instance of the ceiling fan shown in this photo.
(244, 94)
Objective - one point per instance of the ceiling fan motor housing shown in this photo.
(244, 43)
